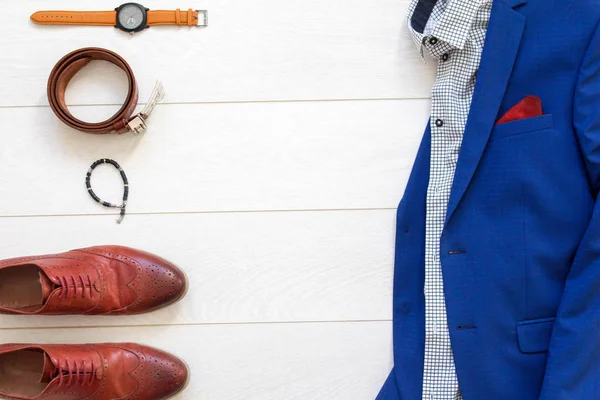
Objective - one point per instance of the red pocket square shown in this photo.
(529, 107)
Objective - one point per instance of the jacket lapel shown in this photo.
(499, 53)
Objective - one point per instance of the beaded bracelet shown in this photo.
(125, 183)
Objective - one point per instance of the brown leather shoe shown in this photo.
(93, 372)
(98, 280)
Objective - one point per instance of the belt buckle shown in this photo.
(137, 124)
(204, 22)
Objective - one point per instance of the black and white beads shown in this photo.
(125, 183)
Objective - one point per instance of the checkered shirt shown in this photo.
(453, 32)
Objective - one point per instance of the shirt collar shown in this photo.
(453, 25)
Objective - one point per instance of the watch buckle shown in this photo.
(137, 124)
(202, 23)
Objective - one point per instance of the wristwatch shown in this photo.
(129, 17)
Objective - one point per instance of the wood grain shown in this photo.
(216, 157)
(242, 267)
(333, 361)
(261, 50)
(270, 174)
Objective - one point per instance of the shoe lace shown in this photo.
(78, 370)
(83, 282)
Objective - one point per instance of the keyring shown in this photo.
(88, 185)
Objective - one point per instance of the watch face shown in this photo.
(131, 16)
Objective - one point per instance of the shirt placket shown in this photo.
(439, 362)
(454, 34)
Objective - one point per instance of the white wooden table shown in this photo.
(270, 173)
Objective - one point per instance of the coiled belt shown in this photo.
(124, 120)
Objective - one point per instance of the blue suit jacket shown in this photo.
(520, 250)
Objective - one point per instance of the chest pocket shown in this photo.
(522, 126)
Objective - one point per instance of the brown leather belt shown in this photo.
(64, 71)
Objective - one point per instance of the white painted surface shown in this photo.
(217, 157)
(270, 174)
(299, 361)
(252, 50)
(242, 267)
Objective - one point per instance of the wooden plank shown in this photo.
(253, 50)
(333, 361)
(242, 267)
(216, 157)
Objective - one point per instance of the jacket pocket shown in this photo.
(522, 126)
(534, 335)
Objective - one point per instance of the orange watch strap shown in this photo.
(102, 18)
(174, 17)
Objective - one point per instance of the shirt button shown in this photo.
(433, 41)
(439, 123)
(445, 57)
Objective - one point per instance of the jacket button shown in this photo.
(439, 123)
(433, 41)
(445, 57)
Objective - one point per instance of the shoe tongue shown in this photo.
(49, 369)
(47, 287)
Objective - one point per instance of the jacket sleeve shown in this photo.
(573, 366)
